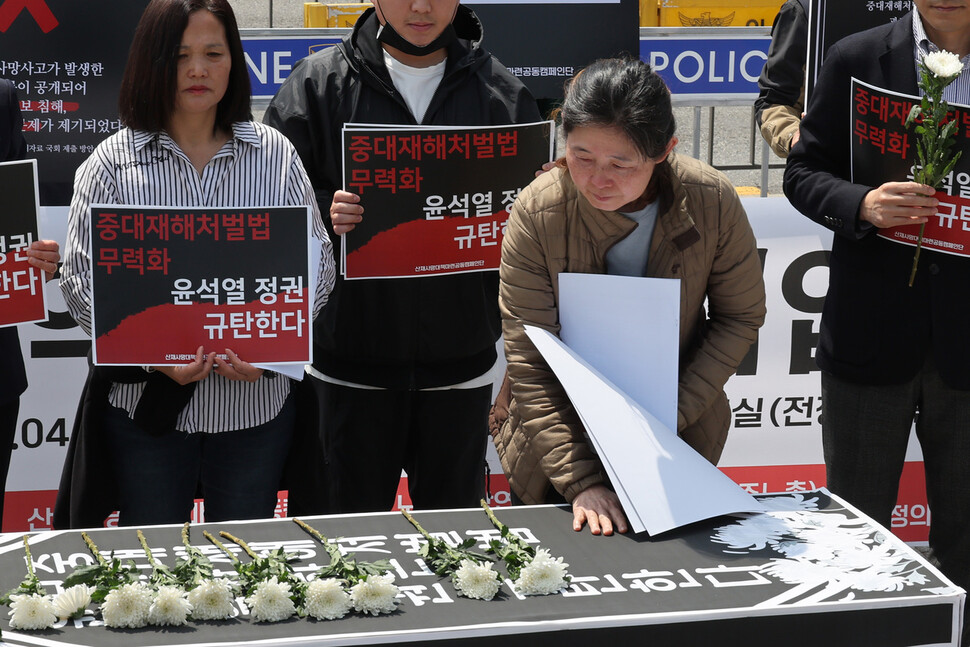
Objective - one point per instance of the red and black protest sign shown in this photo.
(167, 280)
(22, 296)
(884, 150)
(435, 200)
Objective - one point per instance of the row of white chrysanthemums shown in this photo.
(272, 591)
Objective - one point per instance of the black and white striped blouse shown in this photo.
(257, 167)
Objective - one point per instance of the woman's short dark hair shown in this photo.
(148, 86)
(622, 93)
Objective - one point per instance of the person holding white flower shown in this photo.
(889, 352)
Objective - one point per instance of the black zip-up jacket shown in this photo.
(398, 333)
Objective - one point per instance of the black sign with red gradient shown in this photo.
(883, 150)
(22, 298)
(167, 280)
(435, 200)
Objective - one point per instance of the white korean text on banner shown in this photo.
(22, 295)
(67, 61)
(167, 280)
(884, 149)
(436, 200)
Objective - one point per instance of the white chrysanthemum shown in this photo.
(943, 64)
(271, 602)
(545, 574)
(474, 580)
(211, 600)
(375, 595)
(30, 612)
(326, 599)
(72, 602)
(170, 607)
(127, 606)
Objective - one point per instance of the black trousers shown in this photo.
(437, 437)
(8, 430)
(865, 430)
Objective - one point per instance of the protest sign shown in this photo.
(21, 284)
(883, 150)
(435, 199)
(167, 280)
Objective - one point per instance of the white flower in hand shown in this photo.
(271, 602)
(211, 600)
(127, 606)
(544, 575)
(170, 607)
(943, 64)
(72, 602)
(375, 595)
(30, 612)
(474, 580)
(326, 599)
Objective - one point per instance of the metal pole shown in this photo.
(270, 14)
(765, 160)
(696, 144)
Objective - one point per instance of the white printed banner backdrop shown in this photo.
(775, 439)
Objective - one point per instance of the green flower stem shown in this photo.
(218, 544)
(148, 551)
(30, 560)
(185, 539)
(94, 549)
(239, 542)
(414, 522)
(316, 534)
(919, 246)
(507, 533)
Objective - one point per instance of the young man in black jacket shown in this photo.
(403, 367)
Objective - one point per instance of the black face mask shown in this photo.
(388, 35)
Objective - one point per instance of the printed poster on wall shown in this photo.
(830, 22)
(66, 59)
(435, 200)
(22, 294)
(883, 148)
(167, 280)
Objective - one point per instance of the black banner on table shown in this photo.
(830, 22)
(884, 150)
(22, 294)
(66, 59)
(811, 572)
(435, 199)
(167, 280)
(545, 42)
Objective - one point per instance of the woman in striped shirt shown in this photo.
(189, 141)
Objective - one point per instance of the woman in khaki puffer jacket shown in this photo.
(619, 175)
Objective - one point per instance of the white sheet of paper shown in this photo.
(627, 328)
(662, 482)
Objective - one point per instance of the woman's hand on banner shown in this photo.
(236, 369)
(195, 371)
(599, 507)
(894, 204)
(345, 211)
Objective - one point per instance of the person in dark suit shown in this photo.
(43, 255)
(888, 352)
